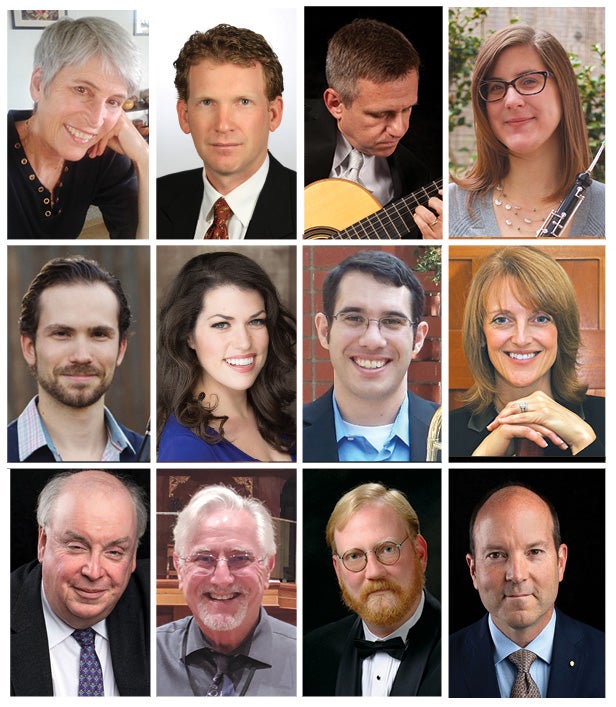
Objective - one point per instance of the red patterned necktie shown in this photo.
(218, 229)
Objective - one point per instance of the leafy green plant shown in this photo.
(429, 261)
(592, 93)
(464, 43)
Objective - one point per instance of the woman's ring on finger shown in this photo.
(523, 406)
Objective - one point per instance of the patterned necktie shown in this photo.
(524, 685)
(218, 229)
(219, 685)
(90, 673)
(355, 163)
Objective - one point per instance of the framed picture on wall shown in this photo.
(35, 19)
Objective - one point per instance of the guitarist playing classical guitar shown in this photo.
(354, 133)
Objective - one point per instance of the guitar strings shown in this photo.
(390, 216)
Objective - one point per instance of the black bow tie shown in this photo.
(393, 646)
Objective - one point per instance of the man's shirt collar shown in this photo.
(401, 631)
(257, 645)
(241, 200)
(541, 645)
(33, 435)
(117, 441)
(57, 630)
(355, 447)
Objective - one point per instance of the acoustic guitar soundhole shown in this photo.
(321, 233)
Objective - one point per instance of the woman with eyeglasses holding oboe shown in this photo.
(531, 142)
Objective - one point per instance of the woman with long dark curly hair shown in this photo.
(226, 345)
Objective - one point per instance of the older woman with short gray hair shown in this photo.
(77, 147)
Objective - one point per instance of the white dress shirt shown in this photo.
(242, 201)
(379, 670)
(374, 174)
(64, 652)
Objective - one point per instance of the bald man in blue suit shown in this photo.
(516, 562)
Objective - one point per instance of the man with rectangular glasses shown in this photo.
(224, 553)
(390, 645)
(371, 326)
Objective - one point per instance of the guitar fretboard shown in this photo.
(394, 221)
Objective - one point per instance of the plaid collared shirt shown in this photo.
(33, 435)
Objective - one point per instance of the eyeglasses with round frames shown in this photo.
(387, 553)
(206, 562)
(526, 84)
(392, 323)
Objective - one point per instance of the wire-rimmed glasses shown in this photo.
(390, 323)
(387, 553)
(206, 562)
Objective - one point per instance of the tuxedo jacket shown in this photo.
(577, 668)
(128, 627)
(333, 667)
(179, 197)
(320, 137)
(320, 430)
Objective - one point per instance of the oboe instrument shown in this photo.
(143, 455)
(557, 221)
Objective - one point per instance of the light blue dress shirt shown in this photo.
(357, 448)
(540, 669)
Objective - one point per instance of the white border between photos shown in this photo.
(156, 40)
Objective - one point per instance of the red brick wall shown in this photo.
(318, 260)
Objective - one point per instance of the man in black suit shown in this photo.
(390, 645)
(371, 326)
(229, 84)
(85, 601)
(516, 562)
(354, 133)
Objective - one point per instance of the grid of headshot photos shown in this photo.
(306, 330)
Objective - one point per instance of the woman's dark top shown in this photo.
(108, 181)
(468, 430)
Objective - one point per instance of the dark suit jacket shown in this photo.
(320, 136)
(179, 197)
(320, 430)
(577, 668)
(128, 626)
(332, 666)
